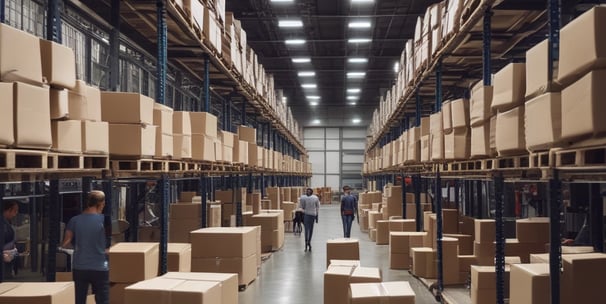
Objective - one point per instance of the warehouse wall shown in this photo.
(336, 155)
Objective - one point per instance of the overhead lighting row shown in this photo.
(354, 120)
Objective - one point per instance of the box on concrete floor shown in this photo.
(133, 262)
(365, 275)
(179, 257)
(116, 292)
(132, 140)
(386, 292)
(373, 217)
(349, 263)
(399, 261)
(401, 242)
(31, 116)
(582, 278)
(372, 234)
(172, 291)
(336, 284)
(543, 121)
(465, 243)
(20, 56)
(485, 231)
(484, 253)
(581, 101)
(237, 242)
(245, 267)
(127, 108)
(37, 293)
(484, 284)
(382, 232)
(533, 230)
(509, 87)
(342, 249)
(229, 282)
(450, 220)
(179, 229)
(58, 64)
(465, 262)
(424, 262)
(529, 284)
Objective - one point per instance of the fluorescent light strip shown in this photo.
(353, 97)
(294, 41)
(313, 97)
(316, 121)
(309, 86)
(356, 120)
(361, 1)
(306, 74)
(281, 1)
(359, 40)
(353, 103)
(301, 60)
(313, 103)
(359, 24)
(356, 74)
(357, 60)
(353, 90)
(290, 23)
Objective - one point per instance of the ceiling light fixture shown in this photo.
(313, 97)
(284, 99)
(301, 60)
(294, 41)
(353, 97)
(356, 74)
(353, 103)
(313, 103)
(309, 86)
(359, 24)
(362, 1)
(353, 90)
(357, 60)
(290, 23)
(356, 120)
(281, 1)
(316, 121)
(307, 74)
(359, 40)
(396, 67)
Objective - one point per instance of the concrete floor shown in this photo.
(296, 277)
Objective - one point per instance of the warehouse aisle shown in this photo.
(295, 277)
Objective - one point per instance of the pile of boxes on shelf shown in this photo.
(325, 194)
(523, 111)
(224, 34)
(346, 281)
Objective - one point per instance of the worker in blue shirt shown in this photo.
(349, 207)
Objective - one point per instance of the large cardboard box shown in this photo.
(179, 257)
(67, 136)
(237, 242)
(480, 141)
(203, 148)
(132, 139)
(437, 146)
(386, 292)
(582, 45)
(485, 231)
(401, 242)
(116, 292)
(480, 104)
(58, 64)
(59, 104)
(242, 152)
(172, 291)
(95, 137)
(382, 232)
(127, 108)
(336, 284)
(185, 211)
(581, 103)
(247, 134)
(179, 231)
(402, 225)
(342, 249)
(447, 116)
(459, 109)
(181, 123)
(399, 261)
(245, 267)
(533, 230)
(483, 284)
(229, 282)
(529, 284)
(510, 138)
(425, 148)
(20, 56)
(182, 146)
(164, 144)
(465, 242)
(365, 275)
(253, 154)
(543, 121)
(31, 115)
(509, 87)
(424, 262)
(436, 123)
(203, 123)
(163, 118)
(581, 279)
(83, 103)
(38, 293)
(133, 262)
(457, 144)
(537, 71)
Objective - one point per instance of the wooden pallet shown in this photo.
(541, 159)
(580, 157)
(23, 159)
(513, 162)
(138, 165)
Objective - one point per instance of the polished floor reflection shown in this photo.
(296, 277)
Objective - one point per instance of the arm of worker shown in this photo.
(317, 209)
(67, 239)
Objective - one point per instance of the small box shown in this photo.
(342, 249)
(203, 123)
(457, 144)
(67, 136)
(543, 121)
(164, 144)
(509, 87)
(485, 231)
(58, 64)
(133, 262)
(132, 139)
(95, 137)
(20, 56)
(31, 114)
(480, 104)
(182, 146)
(127, 108)
(237, 242)
(533, 230)
(510, 136)
(581, 105)
(336, 284)
(365, 275)
(247, 134)
(59, 103)
(424, 262)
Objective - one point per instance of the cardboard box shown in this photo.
(336, 284)
(437, 146)
(95, 137)
(203, 148)
(510, 138)
(436, 123)
(537, 71)
(484, 284)
(582, 46)
(581, 105)
(245, 267)
(425, 127)
(38, 293)
(84, 102)
(457, 144)
(184, 210)
(382, 232)
(164, 144)
(485, 253)
(58, 103)
(247, 134)
(203, 123)
(401, 242)
(402, 225)
(530, 284)
(465, 262)
(459, 109)
(179, 257)
(237, 242)
(509, 87)
(163, 118)
(241, 153)
(20, 56)
(172, 291)
(425, 148)
(58, 64)
(365, 275)
(180, 231)
(182, 146)
(132, 139)
(480, 141)
(253, 154)
(533, 230)
(133, 262)
(116, 292)
(424, 262)
(342, 249)
(485, 231)
(399, 261)
(447, 116)
(31, 115)
(450, 220)
(127, 108)
(386, 292)
(543, 121)
(181, 123)
(480, 104)
(581, 279)
(229, 282)
(67, 136)
(465, 242)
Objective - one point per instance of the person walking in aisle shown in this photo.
(90, 255)
(311, 207)
(349, 206)
(10, 209)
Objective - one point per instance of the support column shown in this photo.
(418, 109)
(416, 184)
(555, 247)
(486, 48)
(162, 53)
(164, 189)
(53, 20)
(114, 47)
(203, 189)
(54, 230)
(108, 189)
(499, 186)
(439, 220)
(206, 84)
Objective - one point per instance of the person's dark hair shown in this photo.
(345, 188)
(8, 205)
(95, 197)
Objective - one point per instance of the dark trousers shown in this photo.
(347, 220)
(308, 222)
(99, 280)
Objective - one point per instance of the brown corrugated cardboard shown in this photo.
(227, 138)
(398, 292)
(437, 146)
(484, 284)
(510, 138)
(465, 243)
(581, 281)
(20, 58)
(163, 118)
(229, 282)
(425, 148)
(31, 115)
(342, 249)
(365, 275)
(336, 284)
(529, 284)
(172, 291)
(480, 141)
(93, 102)
(533, 230)
(179, 257)
(457, 144)
(425, 127)
(543, 121)
(58, 64)
(484, 231)
(247, 134)
(480, 104)
(119, 107)
(95, 137)
(245, 267)
(460, 113)
(182, 146)
(242, 152)
(465, 262)
(253, 154)
(179, 231)
(385, 293)
(203, 123)
(202, 148)
(183, 210)
(436, 123)
(423, 262)
(382, 232)
(447, 116)
(133, 262)
(401, 242)
(402, 225)
(67, 136)
(484, 253)
(399, 261)
(509, 87)
(581, 104)
(537, 71)
(513, 247)
(164, 144)
(450, 220)
(58, 103)
(132, 139)
(38, 293)
(84, 102)
(181, 123)
(230, 242)
(116, 292)
(582, 45)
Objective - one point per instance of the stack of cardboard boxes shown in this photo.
(399, 248)
(163, 119)
(342, 249)
(272, 228)
(228, 199)
(508, 102)
(457, 138)
(184, 217)
(249, 136)
(48, 293)
(182, 143)
(273, 194)
(484, 284)
(337, 280)
(131, 263)
(203, 136)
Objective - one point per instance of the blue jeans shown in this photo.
(347, 220)
(308, 222)
(99, 280)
